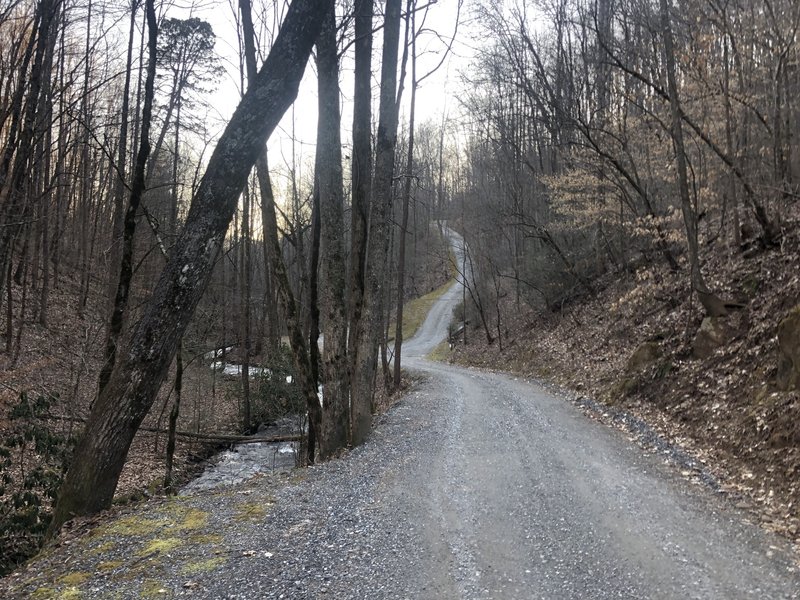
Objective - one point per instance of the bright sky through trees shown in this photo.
(435, 97)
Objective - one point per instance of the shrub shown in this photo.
(33, 460)
(279, 394)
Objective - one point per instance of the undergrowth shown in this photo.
(33, 460)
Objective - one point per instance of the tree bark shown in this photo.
(336, 388)
(361, 169)
(292, 312)
(711, 303)
(401, 253)
(14, 203)
(369, 329)
(100, 455)
(129, 224)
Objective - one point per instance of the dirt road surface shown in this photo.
(476, 485)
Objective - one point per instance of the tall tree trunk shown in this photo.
(271, 327)
(369, 329)
(173, 419)
(14, 203)
(125, 274)
(100, 455)
(711, 303)
(245, 312)
(361, 191)
(291, 308)
(403, 233)
(122, 165)
(87, 169)
(336, 409)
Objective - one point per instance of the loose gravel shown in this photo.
(476, 485)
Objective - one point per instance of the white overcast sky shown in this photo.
(434, 97)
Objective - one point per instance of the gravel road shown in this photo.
(476, 485)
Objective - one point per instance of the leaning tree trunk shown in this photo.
(711, 303)
(119, 410)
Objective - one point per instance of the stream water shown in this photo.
(249, 459)
(246, 460)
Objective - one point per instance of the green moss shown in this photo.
(171, 518)
(43, 593)
(159, 546)
(153, 589)
(73, 579)
(203, 566)
(134, 525)
(441, 353)
(210, 539)
(109, 565)
(101, 548)
(194, 519)
(250, 511)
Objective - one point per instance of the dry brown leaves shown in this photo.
(724, 410)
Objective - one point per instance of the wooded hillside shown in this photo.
(624, 174)
(630, 202)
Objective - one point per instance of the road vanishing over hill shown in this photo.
(477, 485)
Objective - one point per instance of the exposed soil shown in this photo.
(725, 409)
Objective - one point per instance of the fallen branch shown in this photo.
(211, 437)
(222, 437)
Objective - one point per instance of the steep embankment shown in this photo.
(712, 386)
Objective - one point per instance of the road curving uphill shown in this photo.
(477, 485)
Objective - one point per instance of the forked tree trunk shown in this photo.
(100, 455)
(368, 330)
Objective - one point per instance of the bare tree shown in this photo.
(125, 273)
(91, 480)
(330, 191)
(361, 173)
(368, 329)
(712, 304)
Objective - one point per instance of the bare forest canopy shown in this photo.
(585, 137)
